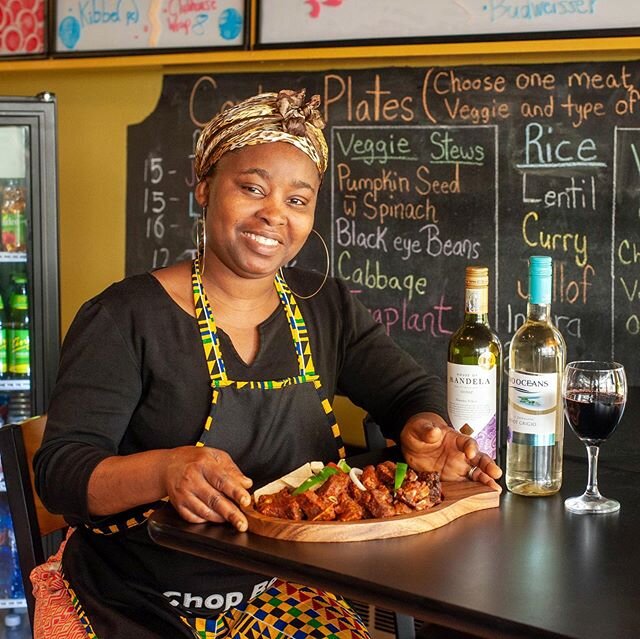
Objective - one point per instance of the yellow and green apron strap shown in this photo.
(302, 346)
(215, 365)
(207, 327)
(122, 524)
(297, 327)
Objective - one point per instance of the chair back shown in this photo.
(31, 520)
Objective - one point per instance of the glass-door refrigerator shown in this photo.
(29, 300)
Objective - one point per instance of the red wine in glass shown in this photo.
(594, 396)
(593, 416)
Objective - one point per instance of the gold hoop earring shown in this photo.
(201, 237)
(326, 272)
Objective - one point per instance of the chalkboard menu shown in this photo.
(432, 169)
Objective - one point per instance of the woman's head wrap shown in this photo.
(267, 117)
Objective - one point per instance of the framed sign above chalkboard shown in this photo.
(117, 26)
(22, 28)
(331, 22)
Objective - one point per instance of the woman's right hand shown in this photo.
(204, 484)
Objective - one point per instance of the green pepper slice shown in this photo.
(401, 473)
(343, 466)
(316, 480)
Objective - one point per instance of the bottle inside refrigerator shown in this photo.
(29, 306)
(14, 212)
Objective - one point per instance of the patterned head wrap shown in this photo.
(267, 117)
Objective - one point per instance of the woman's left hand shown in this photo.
(429, 443)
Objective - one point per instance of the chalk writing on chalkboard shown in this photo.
(625, 258)
(431, 170)
(389, 185)
(158, 24)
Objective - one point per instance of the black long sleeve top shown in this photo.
(133, 377)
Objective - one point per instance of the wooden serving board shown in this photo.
(460, 498)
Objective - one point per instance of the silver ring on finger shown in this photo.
(471, 471)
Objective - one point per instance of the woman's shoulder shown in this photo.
(129, 290)
(114, 310)
(129, 301)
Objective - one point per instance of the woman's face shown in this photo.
(260, 207)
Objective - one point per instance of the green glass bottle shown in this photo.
(18, 350)
(3, 341)
(473, 368)
(534, 413)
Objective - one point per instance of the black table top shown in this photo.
(526, 569)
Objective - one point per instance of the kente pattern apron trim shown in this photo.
(285, 611)
(82, 616)
(219, 381)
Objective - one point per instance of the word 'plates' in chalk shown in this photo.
(460, 498)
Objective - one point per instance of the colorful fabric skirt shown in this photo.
(54, 616)
(284, 611)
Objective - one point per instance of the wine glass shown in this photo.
(594, 394)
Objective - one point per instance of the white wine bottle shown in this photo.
(473, 367)
(534, 412)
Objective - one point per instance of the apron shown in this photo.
(121, 583)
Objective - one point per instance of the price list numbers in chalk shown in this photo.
(154, 206)
(163, 208)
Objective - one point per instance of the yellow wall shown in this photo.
(94, 109)
(98, 99)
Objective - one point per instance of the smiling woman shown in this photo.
(196, 382)
(261, 202)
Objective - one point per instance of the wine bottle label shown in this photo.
(533, 404)
(471, 400)
(476, 300)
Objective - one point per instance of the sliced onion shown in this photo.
(354, 474)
